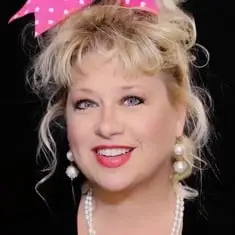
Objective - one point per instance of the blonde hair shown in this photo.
(143, 43)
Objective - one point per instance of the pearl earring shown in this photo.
(180, 165)
(71, 171)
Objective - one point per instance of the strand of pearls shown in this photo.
(177, 223)
(88, 212)
(179, 215)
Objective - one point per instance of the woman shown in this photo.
(118, 73)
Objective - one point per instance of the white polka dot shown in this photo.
(37, 9)
(127, 2)
(66, 12)
(36, 22)
(29, 1)
(50, 21)
(16, 16)
(36, 34)
(26, 12)
(51, 9)
(142, 4)
(81, 2)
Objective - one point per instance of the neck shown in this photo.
(149, 198)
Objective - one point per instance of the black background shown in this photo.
(20, 115)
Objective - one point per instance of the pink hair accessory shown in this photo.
(48, 13)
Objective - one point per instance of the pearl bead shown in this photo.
(179, 149)
(71, 172)
(180, 166)
(69, 156)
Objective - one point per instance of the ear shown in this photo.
(181, 119)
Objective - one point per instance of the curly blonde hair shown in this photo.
(144, 43)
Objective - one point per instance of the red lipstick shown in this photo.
(112, 156)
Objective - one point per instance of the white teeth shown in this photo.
(113, 152)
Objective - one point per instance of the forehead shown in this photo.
(94, 69)
(94, 63)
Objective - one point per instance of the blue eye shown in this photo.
(85, 104)
(132, 100)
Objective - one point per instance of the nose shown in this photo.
(109, 123)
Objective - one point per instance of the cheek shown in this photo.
(72, 133)
(159, 131)
(79, 138)
(77, 129)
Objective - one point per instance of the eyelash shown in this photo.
(82, 101)
(123, 100)
(141, 100)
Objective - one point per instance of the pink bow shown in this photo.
(50, 12)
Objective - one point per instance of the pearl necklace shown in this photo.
(178, 219)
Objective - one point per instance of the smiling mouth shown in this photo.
(113, 157)
(113, 152)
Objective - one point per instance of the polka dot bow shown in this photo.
(50, 12)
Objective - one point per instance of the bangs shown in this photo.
(142, 43)
(136, 54)
(141, 47)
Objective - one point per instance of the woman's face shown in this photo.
(121, 130)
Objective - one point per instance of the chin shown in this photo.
(114, 184)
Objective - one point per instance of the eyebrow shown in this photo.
(129, 87)
(88, 90)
